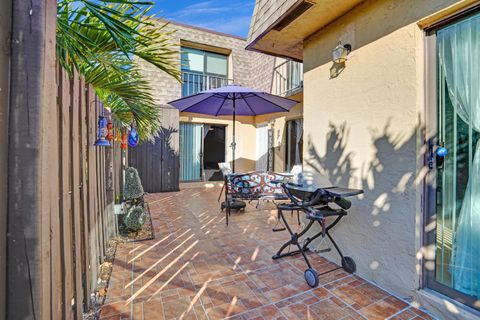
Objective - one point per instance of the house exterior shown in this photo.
(196, 143)
(379, 120)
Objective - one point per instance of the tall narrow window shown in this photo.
(294, 143)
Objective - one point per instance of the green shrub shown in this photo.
(134, 219)
(133, 185)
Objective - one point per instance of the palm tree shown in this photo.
(104, 41)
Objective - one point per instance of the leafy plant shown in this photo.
(133, 186)
(105, 41)
(135, 218)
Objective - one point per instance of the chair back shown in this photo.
(225, 168)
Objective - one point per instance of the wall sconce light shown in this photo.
(341, 52)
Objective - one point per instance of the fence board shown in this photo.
(67, 203)
(85, 278)
(92, 106)
(56, 219)
(75, 159)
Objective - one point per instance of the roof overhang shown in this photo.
(284, 36)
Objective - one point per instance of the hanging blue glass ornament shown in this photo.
(133, 138)
(102, 132)
(442, 152)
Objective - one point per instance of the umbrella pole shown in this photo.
(233, 142)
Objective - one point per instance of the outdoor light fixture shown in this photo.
(102, 130)
(341, 52)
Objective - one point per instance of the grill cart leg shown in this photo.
(311, 276)
(347, 262)
(293, 240)
(333, 224)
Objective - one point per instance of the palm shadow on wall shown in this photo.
(389, 179)
(384, 178)
(335, 166)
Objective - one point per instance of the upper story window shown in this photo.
(202, 70)
(288, 78)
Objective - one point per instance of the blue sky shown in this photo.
(228, 16)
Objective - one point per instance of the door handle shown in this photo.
(441, 153)
(436, 154)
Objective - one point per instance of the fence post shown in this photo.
(5, 7)
(32, 194)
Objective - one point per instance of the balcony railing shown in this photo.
(194, 83)
(288, 78)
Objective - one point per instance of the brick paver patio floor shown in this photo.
(198, 268)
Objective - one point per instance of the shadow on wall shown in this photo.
(157, 162)
(380, 231)
(335, 167)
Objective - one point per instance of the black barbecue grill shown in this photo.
(316, 204)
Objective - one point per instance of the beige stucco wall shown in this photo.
(364, 129)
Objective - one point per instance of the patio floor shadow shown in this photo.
(199, 268)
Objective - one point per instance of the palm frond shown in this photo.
(101, 39)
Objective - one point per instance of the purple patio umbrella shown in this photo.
(233, 100)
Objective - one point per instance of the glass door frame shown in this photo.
(430, 204)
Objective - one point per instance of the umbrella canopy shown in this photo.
(220, 101)
(233, 100)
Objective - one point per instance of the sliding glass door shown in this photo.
(191, 137)
(455, 159)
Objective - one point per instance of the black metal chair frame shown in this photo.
(315, 204)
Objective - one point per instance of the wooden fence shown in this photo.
(86, 176)
(82, 192)
(61, 188)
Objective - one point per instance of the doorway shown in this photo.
(454, 162)
(213, 151)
